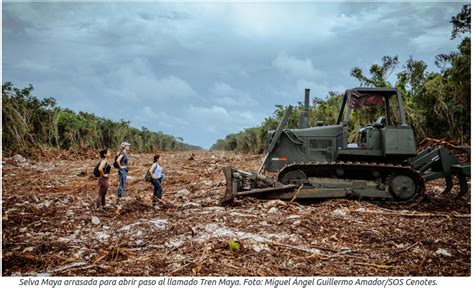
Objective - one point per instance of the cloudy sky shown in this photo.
(203, 70)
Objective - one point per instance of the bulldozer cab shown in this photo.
(388, 136)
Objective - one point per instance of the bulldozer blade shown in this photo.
(260, 184)
(229, 195)
(266, 190)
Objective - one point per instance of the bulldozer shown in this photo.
(319, 162)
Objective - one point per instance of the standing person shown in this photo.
(104, 171)
(121, 163)
(156, 173)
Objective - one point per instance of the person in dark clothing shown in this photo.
(104, 170)
(122, 167)
(157, 175)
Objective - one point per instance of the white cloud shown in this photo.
(188, 69)
(317, 90)
(154, 117)
(217, 118)
(137, 82)
(225, 95)
(300, 68)
(174, 87)
(34, 66)
(293, 22)
(430, 39)
(294, 92)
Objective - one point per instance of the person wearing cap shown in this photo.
(122, 168)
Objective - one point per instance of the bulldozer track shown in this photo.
(358, 171)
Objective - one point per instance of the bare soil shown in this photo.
(51, 226)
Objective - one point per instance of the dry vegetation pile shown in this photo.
(51, 226)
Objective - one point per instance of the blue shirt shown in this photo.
(157, 170)
(124, 160)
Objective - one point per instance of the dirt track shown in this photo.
(49, 208)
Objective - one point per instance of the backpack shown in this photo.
(148, 177)
(96, 170)
(116, 166)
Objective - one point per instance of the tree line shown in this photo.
(437, 104)
(30, 123)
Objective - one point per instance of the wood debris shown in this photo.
(48, 204)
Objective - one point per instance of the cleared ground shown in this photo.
(51, 226)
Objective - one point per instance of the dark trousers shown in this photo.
(103, 185)
(157, 190)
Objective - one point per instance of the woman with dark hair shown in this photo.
(156, 173)
(104, 170)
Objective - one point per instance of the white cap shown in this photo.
(124, 144)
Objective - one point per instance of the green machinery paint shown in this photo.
(319, 162)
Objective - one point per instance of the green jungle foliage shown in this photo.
(437, 104)
(30, 123)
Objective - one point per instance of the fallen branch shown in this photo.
(414, 214)
(457, 215)
(192, 169)
(181, 268)
(114, 253)
(293, 247)
(436, 142)
(71, 266)
(203, 259)
(233, 266)
(166, 203)
(379, 266)
(294, 197)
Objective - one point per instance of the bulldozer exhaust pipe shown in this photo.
(304, 115)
